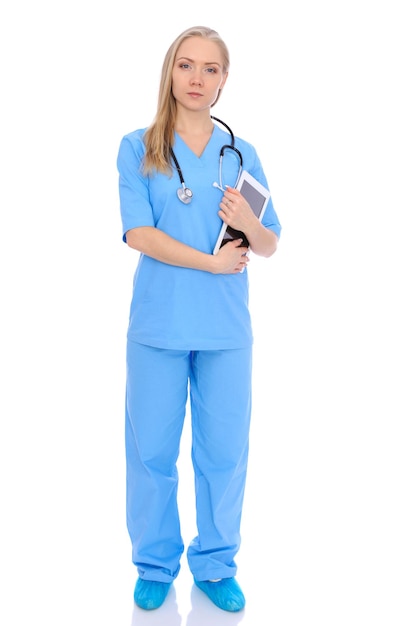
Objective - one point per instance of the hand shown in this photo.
(235, 211)
(231, 259)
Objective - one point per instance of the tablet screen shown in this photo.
(257, 195)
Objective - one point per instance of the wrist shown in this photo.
(213, 264)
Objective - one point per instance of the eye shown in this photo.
(212, 70)
(185, 66)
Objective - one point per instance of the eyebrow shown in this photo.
(192, 61)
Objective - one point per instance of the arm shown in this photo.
(155, 243)
(236, 212)
(151, 241)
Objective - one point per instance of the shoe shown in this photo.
(150, 594)
(226, 593)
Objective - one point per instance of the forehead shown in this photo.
(200, 49)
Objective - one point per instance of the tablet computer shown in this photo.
(257, 195)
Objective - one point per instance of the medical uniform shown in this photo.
(189, 332)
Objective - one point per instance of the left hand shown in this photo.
(235, 210)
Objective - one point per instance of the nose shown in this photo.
(196, 79)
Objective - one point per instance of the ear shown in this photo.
(219, 91)
(224, 80)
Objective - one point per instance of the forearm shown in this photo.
(160, 246)
(262, 241)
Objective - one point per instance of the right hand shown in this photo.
(231, 259)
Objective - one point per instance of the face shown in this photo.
(197, 75)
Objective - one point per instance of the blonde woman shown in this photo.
(189, 333)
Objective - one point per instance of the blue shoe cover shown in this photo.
(150, 594)
(226, 593)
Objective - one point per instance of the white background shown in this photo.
(326, 91)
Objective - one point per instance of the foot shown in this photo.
(150, 594)
(226, 593)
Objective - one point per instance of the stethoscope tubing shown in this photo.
(184, 193)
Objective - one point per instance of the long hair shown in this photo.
(159, 136)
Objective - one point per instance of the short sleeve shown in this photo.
(135, 207)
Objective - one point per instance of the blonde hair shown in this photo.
(159, 137)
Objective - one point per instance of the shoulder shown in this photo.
(248, 151)
(135, 137)
(245, 147)
(132, 146)
(242, 144)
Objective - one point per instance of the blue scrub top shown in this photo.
(174, 307)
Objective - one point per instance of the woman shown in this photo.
(189, 328)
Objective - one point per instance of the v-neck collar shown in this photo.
(184, 144)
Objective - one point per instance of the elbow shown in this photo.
(136, 238)
(130, 239)
(269, 253)
(272, 248)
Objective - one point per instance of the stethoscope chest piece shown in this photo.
(185, 194)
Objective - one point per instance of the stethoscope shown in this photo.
(184, 193)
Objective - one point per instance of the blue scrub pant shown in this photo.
(158, 382)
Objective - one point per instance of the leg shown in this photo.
(220, 395)
(156, 394)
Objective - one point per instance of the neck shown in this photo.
(194, 124)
